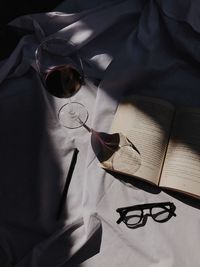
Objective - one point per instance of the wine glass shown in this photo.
(61, 71)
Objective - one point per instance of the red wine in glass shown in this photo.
(63, 81)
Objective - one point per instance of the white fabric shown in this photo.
(38, 150)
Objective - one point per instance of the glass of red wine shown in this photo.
(60, 69)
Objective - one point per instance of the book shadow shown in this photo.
(153, 189)
(136, 182)
(186, 199)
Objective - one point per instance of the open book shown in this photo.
(166, 143)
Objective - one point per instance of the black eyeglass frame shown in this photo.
(141, 207)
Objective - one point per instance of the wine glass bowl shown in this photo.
(60, 67)
(63, 81)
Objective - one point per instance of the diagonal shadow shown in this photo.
(32, 179)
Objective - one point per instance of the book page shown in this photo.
(182, 164)
(146, 123)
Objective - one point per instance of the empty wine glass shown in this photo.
(61, 71)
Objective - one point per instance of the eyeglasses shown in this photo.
(133, 216)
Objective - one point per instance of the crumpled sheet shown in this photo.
(131, 46)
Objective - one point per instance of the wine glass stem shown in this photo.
(87, 128)
(85, 125)
(71, 111)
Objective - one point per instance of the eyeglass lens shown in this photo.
(133, 217)
(160, 214)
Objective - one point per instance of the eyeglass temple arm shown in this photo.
(145, 206)
(171, 209)
(122, 215)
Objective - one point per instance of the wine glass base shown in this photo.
(73, 115)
